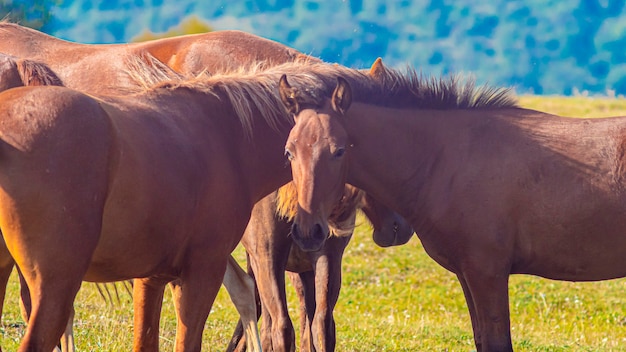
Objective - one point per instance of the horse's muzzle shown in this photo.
(311, 241)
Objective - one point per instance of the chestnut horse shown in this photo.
(16, 73)
(317, 275)
(192, 54)
(491, 189)
(157, 185)
(188, 54)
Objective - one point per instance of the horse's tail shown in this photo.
(107, 296)
(34, 73)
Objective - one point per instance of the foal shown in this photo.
(317, 274)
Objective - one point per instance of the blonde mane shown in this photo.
(246, 88)
(287, 201)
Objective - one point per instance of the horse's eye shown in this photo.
(339, 152)
(289, 155)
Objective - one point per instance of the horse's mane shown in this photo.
(246, 88)
(34, 73)
(287, 201)
(410, 88)
(254, 87)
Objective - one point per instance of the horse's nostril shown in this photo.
(318, 233)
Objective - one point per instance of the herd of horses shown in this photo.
(152, 161)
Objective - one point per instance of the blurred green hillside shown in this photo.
(31, 13)
(189, 25)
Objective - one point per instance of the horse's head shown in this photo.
(316, 148)
(390, 229)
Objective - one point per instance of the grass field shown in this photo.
(395, 299)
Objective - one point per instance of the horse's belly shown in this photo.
(590, 263)
(128, 263)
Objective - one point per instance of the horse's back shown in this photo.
(218, 51)
(53, 113)
(26, 42)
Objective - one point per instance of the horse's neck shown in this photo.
(259, 154)
(257, 158)
(263, 155)
(394, 154)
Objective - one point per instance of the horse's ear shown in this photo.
(288, 95)
(342, 96)
(378, 69)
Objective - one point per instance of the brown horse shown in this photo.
(157, 185)
(189, 54)
(16, 72)
(317, 274)
(193, 54)
(491, 189)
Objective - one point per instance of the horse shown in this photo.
(173, 173)
(491, 189)
(192, 54)
(316, 275)
(15, 72)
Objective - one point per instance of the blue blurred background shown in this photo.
(539, 46)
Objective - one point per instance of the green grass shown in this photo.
(395, 299)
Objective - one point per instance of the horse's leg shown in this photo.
(304, 284)
(472, 311)
(266, 319)
(6, 267)
(270, 277)
(67, 340)
(193, 295)
(147, 303)
(241, 288)
(53, 271)
(327, 266)
(491, 301)
(52, 303)
(267, 243)
(25, 302)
